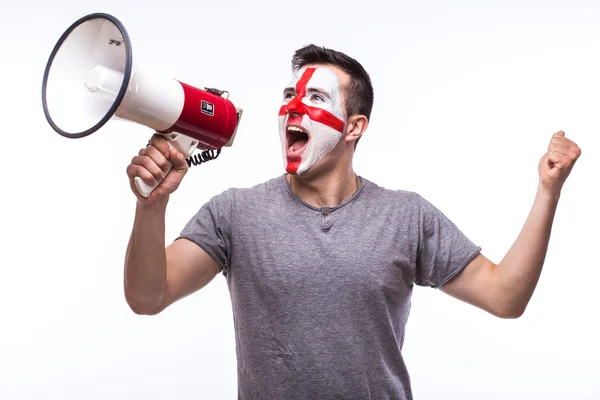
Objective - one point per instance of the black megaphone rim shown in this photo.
(124, 84)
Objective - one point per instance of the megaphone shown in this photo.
(90, 79)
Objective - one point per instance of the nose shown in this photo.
(296, 107)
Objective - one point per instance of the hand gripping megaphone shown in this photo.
(90, 79)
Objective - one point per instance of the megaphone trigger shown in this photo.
(183, 144)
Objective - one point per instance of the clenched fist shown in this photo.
(157, 163)
(555, 166)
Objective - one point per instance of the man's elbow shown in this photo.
(143, 307)
(511, 314)
(509, 311)
(143, 310)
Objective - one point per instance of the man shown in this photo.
(321, 263)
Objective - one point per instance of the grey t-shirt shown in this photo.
(321, 296)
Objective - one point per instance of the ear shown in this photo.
(356, 126)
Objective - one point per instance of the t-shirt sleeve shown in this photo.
(210, 229)
(443, 250)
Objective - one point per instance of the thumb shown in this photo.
(178, 160)
(559, 134)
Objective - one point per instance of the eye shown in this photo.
(317, 97)
(288, 95)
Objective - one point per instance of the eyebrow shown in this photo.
(320, 91)
(309, 90)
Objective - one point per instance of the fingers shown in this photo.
(159, 158)
(555, 158)
(562, 152)
(155, 165)
(562, 145)
(134, 171)
(178, 161)
(159, 142)
(558, 147)
(150, 165)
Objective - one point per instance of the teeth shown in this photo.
(292, 148)
(295, 129)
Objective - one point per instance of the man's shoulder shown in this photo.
(273, 184)
(245, 198)
(394, 195)
(259, 192)
(408, 200)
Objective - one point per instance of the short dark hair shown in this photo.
(358, 93)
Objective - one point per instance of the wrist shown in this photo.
(156, 205)
(548, 195)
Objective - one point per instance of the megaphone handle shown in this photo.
(181, 143)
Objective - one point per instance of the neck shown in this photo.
(329, 189)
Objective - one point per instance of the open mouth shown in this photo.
(297, 138)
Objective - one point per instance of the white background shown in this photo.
(468, 95)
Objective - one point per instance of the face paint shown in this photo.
(311, 121)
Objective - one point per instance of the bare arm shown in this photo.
(146, 260)
(506, 288)
(156, 277)
(189, 269)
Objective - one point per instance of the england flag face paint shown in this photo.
(311, 121)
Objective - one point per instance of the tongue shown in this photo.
(299, 144)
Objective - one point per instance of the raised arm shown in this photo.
(506, 288)
(156, 277)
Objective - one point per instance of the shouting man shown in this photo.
(321, 263)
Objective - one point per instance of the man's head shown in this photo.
(327, 102)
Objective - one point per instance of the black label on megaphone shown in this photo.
(208, 108)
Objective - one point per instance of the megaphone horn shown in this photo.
(90, 79)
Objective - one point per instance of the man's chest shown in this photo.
(307, 251)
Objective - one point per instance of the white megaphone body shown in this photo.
(90, 79)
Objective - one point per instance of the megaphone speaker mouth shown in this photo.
(78, 95)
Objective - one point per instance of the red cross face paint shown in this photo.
(311, 121)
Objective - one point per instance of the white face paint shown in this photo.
(312, 109)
